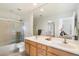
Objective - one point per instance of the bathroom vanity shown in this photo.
(40, 46)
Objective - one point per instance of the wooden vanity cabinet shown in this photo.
(30, 48)
(37, 49)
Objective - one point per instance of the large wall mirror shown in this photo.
(61, 15)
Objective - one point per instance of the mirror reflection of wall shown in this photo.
(67, 25)
(51, 28)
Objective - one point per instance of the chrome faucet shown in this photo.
(65, 41)
(65, 38)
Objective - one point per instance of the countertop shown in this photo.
(72, 46)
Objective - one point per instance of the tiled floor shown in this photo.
(8, 50)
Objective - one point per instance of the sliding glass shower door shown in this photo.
(8, 30)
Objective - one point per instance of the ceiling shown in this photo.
(56, 10)
(25, 7)
(18, 8)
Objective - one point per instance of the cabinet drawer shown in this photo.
(33, 43)
(27, 41)
(59, 52)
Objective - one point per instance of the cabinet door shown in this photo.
(41, 52)
(27, 48)
(32, 50)
(59, 52)
(50, 54)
